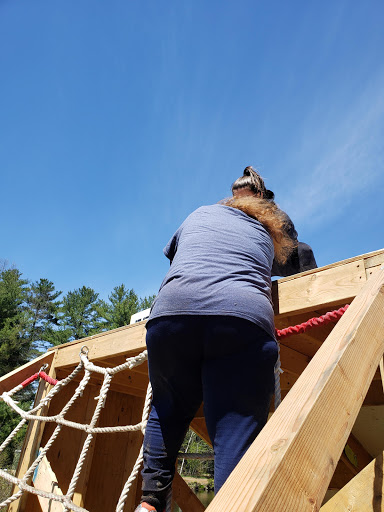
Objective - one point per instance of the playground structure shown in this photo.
(324, 439)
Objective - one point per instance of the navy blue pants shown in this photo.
(228, 363)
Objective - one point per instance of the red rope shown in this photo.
(331, 316)
(41, 375)
(48, 379)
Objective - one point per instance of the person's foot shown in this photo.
(145, 507)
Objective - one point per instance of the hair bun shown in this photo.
(248, 171)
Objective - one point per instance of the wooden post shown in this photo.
(290, 464)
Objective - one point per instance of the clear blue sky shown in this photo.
(118, 118)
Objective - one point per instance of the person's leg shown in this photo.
(238, 383)
(174, 360)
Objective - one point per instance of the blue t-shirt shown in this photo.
(221, 263)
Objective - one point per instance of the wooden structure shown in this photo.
(324, 436)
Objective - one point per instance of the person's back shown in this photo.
(221, 265)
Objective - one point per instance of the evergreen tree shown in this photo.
(15, 343)
(43, 307)
(146, 302)
(80, 315)
(123, 303)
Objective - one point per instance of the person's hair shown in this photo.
(271, 217)
(254, 182)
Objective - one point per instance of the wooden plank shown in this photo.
(114, 454)
(331, 286)
(32, 440)
(364, 493)
(45, 479)
(184, 496)
(16, 377)
(290, 464)
(374, 260)
(367, 256)
(126, 341)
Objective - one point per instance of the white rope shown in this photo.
(91, 429)
(139, 460)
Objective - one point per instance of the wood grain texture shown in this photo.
(330, 286)
(364, 493)
(126, 341)
(290, 464)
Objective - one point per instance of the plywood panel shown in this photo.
(114, 454)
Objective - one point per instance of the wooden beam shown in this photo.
(364, 493)
(332, 286)
(16, 377)
(126, 341)
(184, 496)
(290, 464)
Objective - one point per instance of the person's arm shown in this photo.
(171, 247)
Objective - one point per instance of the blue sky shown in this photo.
(119, 118)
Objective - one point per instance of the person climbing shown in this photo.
(211, 336)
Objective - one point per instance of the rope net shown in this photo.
(59, 419)
(91, 429)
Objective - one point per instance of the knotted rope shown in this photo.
(59, 419)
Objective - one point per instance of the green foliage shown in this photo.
(44, 310)
(123, 303)
(15, 342)
(194, 444)
(80, 314)
(146, 302)
(8, 422)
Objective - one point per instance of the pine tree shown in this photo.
(43, 307)
(80, 315)
(123, 303)
(15, 343)
(146, 302)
